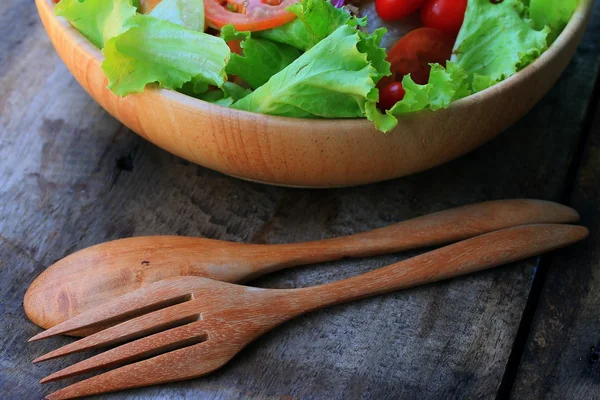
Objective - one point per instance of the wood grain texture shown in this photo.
(70, 287)
(314, 152)
(71, 176)
(562, 357)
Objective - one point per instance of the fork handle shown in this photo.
(471, 255)
(429, 230)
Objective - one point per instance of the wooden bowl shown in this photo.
(313, 153)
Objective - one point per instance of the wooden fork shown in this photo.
(70, 286)
(186, 327)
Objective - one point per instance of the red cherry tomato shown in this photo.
(413, 53)
(390, 95)
(444, 15)
(391, 10)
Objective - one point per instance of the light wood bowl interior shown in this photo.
(314, 153)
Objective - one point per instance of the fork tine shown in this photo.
(189, 362)
(163, 292)
(148, 346)
(131, 329)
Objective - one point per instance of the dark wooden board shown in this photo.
(562, 357)
(71, 176)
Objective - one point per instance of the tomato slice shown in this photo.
(248, 15)
(235, 46)
(413, 53)
(148, 5)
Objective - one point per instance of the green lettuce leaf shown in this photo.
(98, 20)
(552, 13)
(316, 19)
(334, 79)
(261, 58)
(496, 41)
(159, 51)
(226, 95)
(445, 86)
(187, 13)
(142, 49)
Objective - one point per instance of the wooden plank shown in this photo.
(562, 357)
(72, 177)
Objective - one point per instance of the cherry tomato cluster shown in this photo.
(413, 53)
(444, 15)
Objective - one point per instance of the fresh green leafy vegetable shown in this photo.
(261, 58)
(226, 95)
(497, 40)
(316, 19)
(552, 13)
(445, 86)
(334, 79)
(98, 20)
(163, 52)
(142, 49)
(187, 13)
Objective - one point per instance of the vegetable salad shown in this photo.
(317, 58)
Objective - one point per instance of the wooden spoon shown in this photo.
(94, 275)
(185, 327)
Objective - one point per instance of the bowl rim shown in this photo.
(565, 36)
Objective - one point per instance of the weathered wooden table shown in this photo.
(71, 176)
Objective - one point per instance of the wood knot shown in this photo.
(125, 163)
(594, 355)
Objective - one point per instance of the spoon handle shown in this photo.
(471, 255)
(430, 230)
